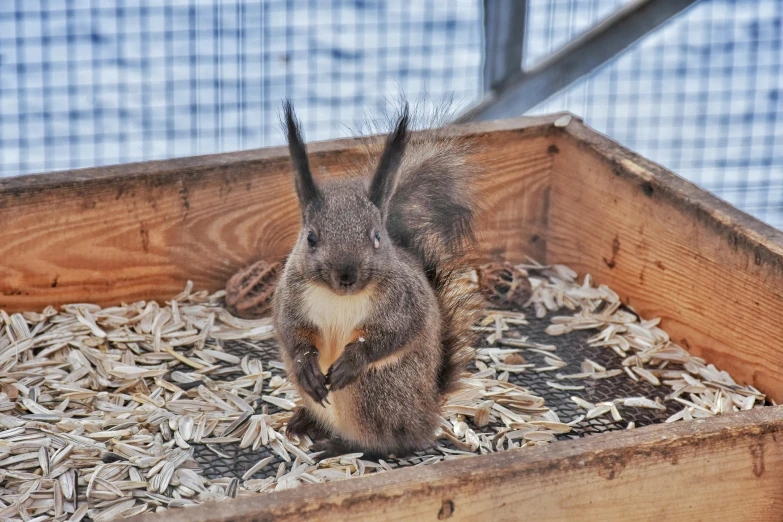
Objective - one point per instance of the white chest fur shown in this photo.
(337, 318)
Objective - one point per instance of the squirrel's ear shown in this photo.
(306, 189)
(385, 178)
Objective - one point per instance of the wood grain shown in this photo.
(671, 250)
(140, 231)
(724, 468)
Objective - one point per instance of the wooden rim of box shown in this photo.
(138, 231)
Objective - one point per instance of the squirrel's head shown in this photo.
(343, 243)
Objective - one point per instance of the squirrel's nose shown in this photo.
(347, 275)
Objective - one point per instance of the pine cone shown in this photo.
(504, 286)
(249, 291)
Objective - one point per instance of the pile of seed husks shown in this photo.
(101, 408)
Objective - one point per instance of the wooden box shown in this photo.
(568, 195)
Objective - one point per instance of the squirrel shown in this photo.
(371, 311)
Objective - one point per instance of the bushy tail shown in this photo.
(433, 214)
(460, 307)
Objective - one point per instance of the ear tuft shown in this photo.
(385, 178)
(306, 189)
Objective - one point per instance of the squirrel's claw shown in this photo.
(343, 372)
(313, 381)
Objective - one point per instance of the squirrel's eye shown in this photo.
(376, 239)
(311, 239)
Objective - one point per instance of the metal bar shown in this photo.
(523, 90)
(504, 39)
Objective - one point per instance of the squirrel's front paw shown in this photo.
(346, 369)
(312, 380)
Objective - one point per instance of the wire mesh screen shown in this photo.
(88, 82)
(701, 96)
(551, 24)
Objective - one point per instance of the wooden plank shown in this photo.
(711, 272)
(724, 468)
(141, 231)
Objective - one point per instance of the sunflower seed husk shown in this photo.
(102, 405)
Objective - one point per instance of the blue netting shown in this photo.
(701, 96)
(85, 83)
(551, 24)
(89, 82)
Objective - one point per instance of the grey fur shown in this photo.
(391, 387)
